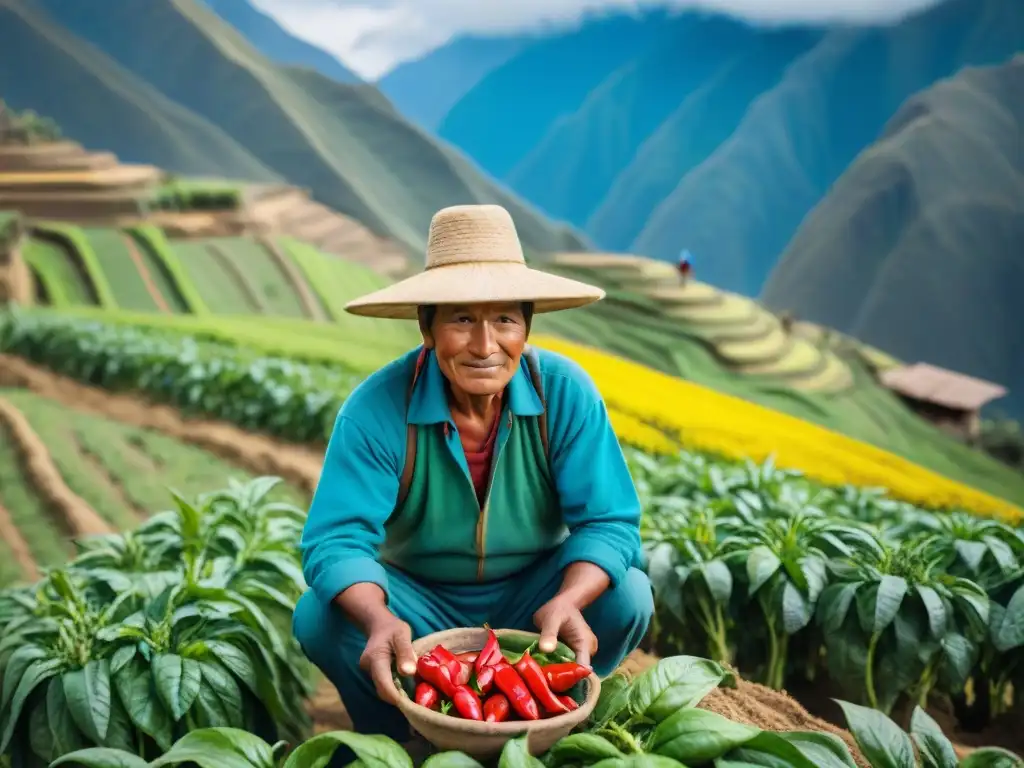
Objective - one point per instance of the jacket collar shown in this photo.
(429, 402)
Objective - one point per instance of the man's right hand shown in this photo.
(388, 638)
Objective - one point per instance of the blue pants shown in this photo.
(619, 618)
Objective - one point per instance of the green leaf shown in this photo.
(135, 688)
(220, 685)
(218, 748)
(374, 751)
(665, 579)
(719, 580)
(613, 699)
(639, 761)
(881, 741)
(100, 757)
(771, 750)
(991, 757)
(580, 748)
(64, 734)
(796, 610)
(88, 696)
(762, 564)
(936, 611)
(451, 760)
(1010, 633)
(515, 754)
(891, 591)
(936, 750)
(15, 668)
(38, 672)
(675, 683)
(237, 660)
(177, 682)
(824, 750)
(697, 735)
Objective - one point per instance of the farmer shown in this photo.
(470, 481)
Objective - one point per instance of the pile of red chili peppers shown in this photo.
(487, 686)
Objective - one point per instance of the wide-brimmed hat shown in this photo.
(474, 256)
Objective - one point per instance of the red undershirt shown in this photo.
(479, 460)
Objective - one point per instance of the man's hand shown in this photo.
(388, 639)
(559, 618)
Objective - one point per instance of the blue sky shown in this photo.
(372, 36)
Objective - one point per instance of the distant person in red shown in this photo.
(685, 264)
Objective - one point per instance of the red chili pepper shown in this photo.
(465, 673)
(467, 657)
(427, 696)
(511, 684)
(496, 708)
(467, 703)
(533, 676)
(491, 653)
(569, 701)
(433, 672)
(447, 659)
(485, 679)
(562, 677)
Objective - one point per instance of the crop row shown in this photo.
(171, 644)
(794, 582)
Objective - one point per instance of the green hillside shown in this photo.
(45, 68)
(345, 143)
(917, 249)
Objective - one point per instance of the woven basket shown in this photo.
(485, 740)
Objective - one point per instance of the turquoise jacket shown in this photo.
(583, 500)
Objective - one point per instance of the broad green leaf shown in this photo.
(177, 682)
(824, 750)
(39, 733)
(218, 682)
(835, 604)
(675, 683)
(218, 748)
(891, 591)
(580, 748)
(991, 757)
(135, 688)
(15, 668)
(770, 750)
(936, 750)
(639, 761)
(936, 610)
(64, 734)
(664, 578)
(236, 660)
(881, 741)
(1010, 633)
(38, 672)
(100, 757)
(451, 760)
(515, 754)
(87, 691)
(719, 580)
(615, 694)
(697, 735)
(374, 751)
(762, 564)
(796, 610)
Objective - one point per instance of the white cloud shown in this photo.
(372, 36)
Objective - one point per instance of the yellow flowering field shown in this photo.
(653, 410)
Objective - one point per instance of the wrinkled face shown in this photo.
(478, 346)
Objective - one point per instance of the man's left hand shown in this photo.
(561, 619)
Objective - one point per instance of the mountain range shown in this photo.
(660, 132)
(919, 247)
(171, 83)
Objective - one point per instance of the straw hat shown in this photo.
(474, 256)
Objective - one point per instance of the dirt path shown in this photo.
(310, 302)
(12, 537)
(259, 454)
(78, 517)
(147, 278)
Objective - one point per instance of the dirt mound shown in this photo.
(15, 542)
(78, 518)
(256, 453)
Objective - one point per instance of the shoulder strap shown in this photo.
(533, 366)
(405, 481)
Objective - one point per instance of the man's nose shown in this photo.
(482, 340)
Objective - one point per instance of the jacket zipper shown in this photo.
(481, 523)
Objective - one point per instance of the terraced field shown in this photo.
(66, 472)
